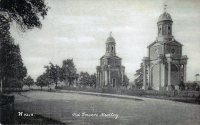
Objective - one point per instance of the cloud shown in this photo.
(79, 19)
(86, 39)
(72, 40)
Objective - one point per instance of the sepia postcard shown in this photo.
(100, 62)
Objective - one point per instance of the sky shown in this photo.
(78, 29)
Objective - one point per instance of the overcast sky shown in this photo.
(78, 29)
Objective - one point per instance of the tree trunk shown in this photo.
(56, 84)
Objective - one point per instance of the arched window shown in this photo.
(169, 30)
(159, 30)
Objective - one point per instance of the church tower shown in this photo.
(110, 73)
(165, 67)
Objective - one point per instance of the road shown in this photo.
(82, 109)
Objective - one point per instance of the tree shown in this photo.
(15, 83)
(84, 78)
(93, 80)
(42, 80)
(28, 81)
(53, 73)
(139, 77)
(12, 66)
(87, 80)
(126, 81)
(68, 71)
(26, 13)
(50, 81)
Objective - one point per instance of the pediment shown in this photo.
(155, 43)
(176, 43)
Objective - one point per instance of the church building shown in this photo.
(165, 67)
(110, 73)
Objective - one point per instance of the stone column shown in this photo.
(185, 73)
(106, 77)
(159, 76)
(179, 74)
(103, 79)
(109, 77)
(144, 75)
(122, 75)
(169, 75)
(97, 82)
(149, 75)
(100, 79)
(163, 80)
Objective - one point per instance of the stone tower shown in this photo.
(110, 72)
(165, 67)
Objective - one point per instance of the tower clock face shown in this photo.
(173, 51)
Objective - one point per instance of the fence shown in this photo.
(137, 92)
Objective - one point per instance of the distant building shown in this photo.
(165, 66)
(111, 72)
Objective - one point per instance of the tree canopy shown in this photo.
(26, 13)
(86, 79)
(53, 73)
(12, 66)
(68, 71)
(42, 80)
(28, 81)
(139, 76)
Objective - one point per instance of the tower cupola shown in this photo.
(110, 46)
(165, 25)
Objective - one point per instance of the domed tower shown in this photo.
(164, 26)
(165, 67)
(110, 72)
(110, 46)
